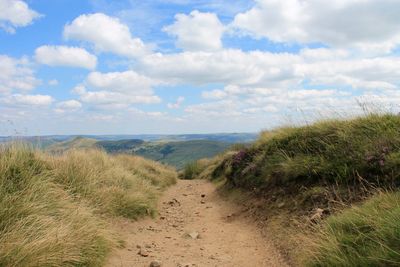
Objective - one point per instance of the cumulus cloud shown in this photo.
(197, 31)
(15, 13)
(224, 108)
(358, 73)
(27, 100)
(107, 34)
(65, 56)
(225, 66)
(127, 82)
(16, 75)
(367, 24)
(113, 88)
(68, 106)
(177, 104)
(316, 67)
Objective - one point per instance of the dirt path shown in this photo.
(224, 239)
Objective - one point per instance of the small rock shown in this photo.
(202, 202)
(194, 235)
(155, 264)
(280, 205)
(143, 253)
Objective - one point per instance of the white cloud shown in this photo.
(366, 24)
(113, 88)
(65, 56)
(256, 69)
(27, 100)
(268, 108)
(225, 108)
(197, 31)
(177, 104)
(15, 13)
(225, 66)
(364, 73)
(107, 34)
(53, 82)
(214, 94)
(108, 98)
(68, 106)
(127, 82)
(16, 75)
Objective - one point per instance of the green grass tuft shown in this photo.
(366, 235)
(329, 152)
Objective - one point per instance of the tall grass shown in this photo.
(366, 235)
(328, 152)
(331, 165)
(53, 209)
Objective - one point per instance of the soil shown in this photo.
(195, 227)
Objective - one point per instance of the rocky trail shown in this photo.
(195, 227)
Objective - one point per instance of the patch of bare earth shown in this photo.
(195, 227)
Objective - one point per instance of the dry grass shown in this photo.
(364, 235)
(54, 209)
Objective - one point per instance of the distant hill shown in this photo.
(121, 146)
(175, 153)
(178, 154)
(75, 143)
(43, 141)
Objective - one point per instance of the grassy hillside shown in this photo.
(176, 154)
(54, 210)
(75, 143)
(321, 169)
(121, 146)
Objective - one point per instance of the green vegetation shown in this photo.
(329, 165)
(54, 209)
(193, 169)
(176, 154)
(120, 146)
(75, 143)
(330, 152)
(366, 235)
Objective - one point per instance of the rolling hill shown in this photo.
(175, 153)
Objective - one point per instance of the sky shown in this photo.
(179, 66)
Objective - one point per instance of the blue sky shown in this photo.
(178, 66)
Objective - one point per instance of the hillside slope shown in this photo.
(305, 174)
(176, 153)
(55, 210)
(74, 143)
(179, 153)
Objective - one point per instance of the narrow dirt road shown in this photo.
(195, 227)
